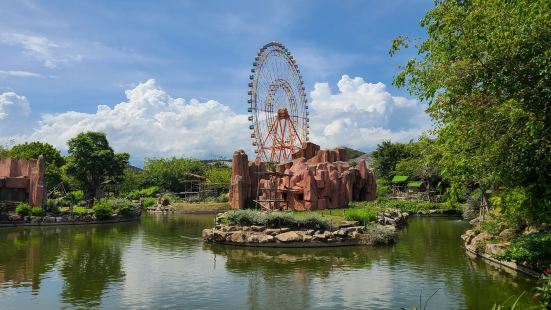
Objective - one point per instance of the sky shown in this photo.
(169, 78)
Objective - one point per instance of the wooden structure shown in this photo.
(22, 180)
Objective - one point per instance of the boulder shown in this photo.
(344, 224)
(289, 236)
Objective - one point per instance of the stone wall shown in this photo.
(314, 179)
(25, 176)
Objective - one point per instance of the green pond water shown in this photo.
(161, 262)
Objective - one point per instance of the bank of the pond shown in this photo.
(58, 221)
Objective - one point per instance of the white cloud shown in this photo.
(14, 112)
(151, 123)
(362, 114)
(17, 73)
(39, 48)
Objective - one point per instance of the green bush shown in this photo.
(383, 188)
(80, 211)
(75, 197)
(378, 234)
(168, 199)
(103, 209)
(37, 211)
(534, 249)
(363, 215)
(314, 222)
(149, 202)
(53, 205)
(121, 206)
(23, 209)
(223, 197)
(279, 219)
(544, 289)
(244, 217)
(144, 192)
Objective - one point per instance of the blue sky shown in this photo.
(64, 56)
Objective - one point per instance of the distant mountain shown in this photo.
(358, 156)
(352, 153)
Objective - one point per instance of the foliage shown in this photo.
(279, 219)
(378, 234)
(533, 248)
(133, 179)
(74, 197)
(168, 199)
(275, 219)
(149, 202)
(169, 173)
(484, 72)
(472, 206)
(315, 222)
(80, 211)
(217, 174)
(103, 209)
(23, 209)
(421, 162)
(386, 156)
(37, 211)
(53, 161)
(144, 192)
(92, 162)
(544, 290)
(383, 188)
(53, 205)
(223, 197)
(352, 153)
(363, 215)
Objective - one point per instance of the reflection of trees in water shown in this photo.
(89, 257)
(91, 260)
(27, 253)
(174, 233)
(283, 277)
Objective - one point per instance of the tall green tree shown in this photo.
(485, 71)
(170, 173)
(92, 162)
(52, 159)
(386, 156)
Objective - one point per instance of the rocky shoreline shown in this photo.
(347, 233)
(15, 220)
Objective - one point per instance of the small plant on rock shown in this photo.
(23, 209)
(37, 211)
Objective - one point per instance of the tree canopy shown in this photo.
(485, 72)
(92, 162)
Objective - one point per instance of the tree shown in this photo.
(92, 162)
(485, 71)
(52, 159)
(169, 173)
(422, 162)
(386, 156)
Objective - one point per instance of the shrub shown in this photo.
(535, 249)
(144, 192)
(121, 206)
(23, 209)
(378, 234)
(149, 202)
(363, 215)
(74, 197)
(383, 188)
(223, 197)
(80, 211)
(472, 207)
(53, 205)
(314, 222)
(279, 219)
(168, 199)
(103, 209)
(544, 290)
(37, 211)
(244, 217)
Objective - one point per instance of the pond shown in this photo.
(161, 262)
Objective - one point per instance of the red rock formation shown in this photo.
(314, 179)
(26, 177)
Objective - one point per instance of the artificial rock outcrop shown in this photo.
(23, 180)
(314, 179)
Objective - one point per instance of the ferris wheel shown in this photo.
(277, 104)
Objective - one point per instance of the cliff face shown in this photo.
(25, 176)
(314, 179)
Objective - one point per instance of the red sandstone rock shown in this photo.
(25, 176)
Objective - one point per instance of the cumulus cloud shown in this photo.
(14, 112)
(152, 123)
(362, 114)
